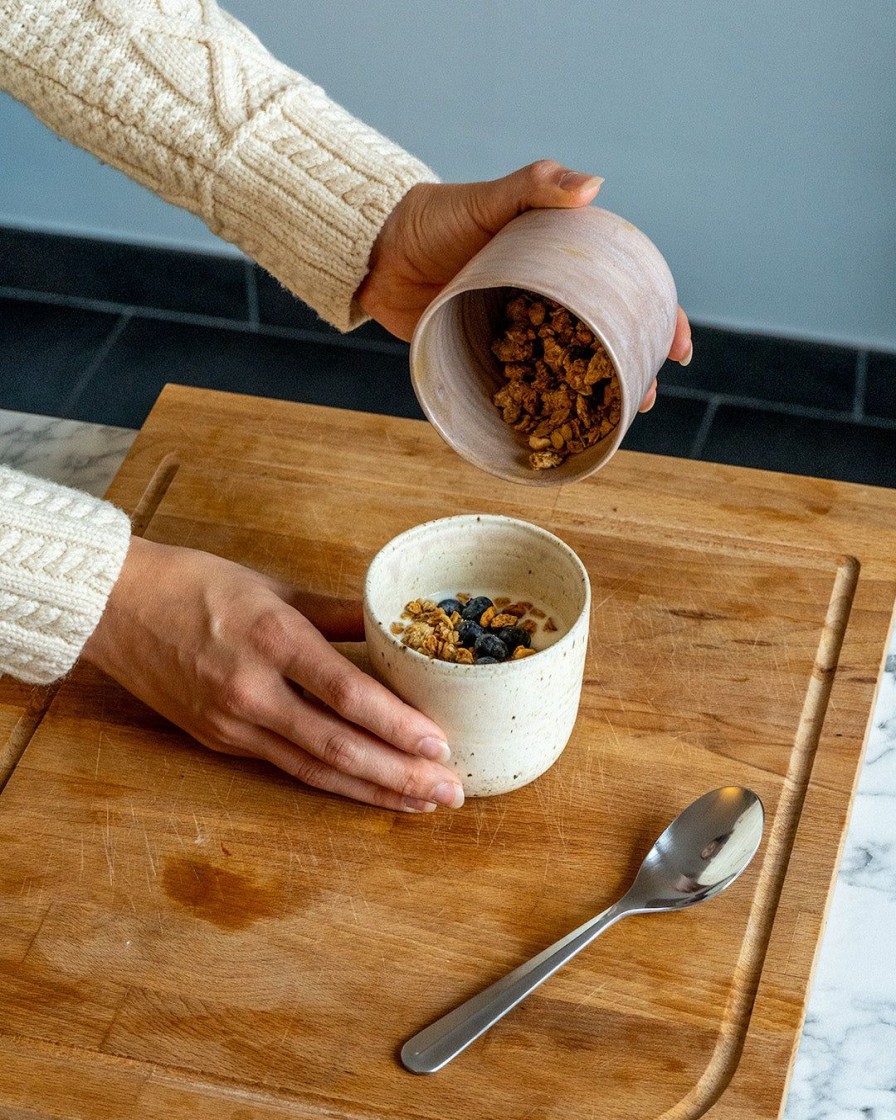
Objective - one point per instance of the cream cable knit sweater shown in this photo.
(183, 98)
(60, 554)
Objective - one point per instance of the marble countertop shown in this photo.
(65, 451)
(846, 1064)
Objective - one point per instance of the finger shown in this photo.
(350, 750)
(310, 662)
(682, 348)
(288, 641)
(298, 763)
(542, 184)
(650, 399)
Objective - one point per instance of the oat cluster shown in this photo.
(471, 629)
(561, 388)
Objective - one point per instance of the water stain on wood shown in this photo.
(221, 897)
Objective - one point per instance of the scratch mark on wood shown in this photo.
(152, 862)
(497, 827)
(172, 820)
(108, 847)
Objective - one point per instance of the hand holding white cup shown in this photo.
(505, 723)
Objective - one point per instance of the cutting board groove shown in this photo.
(27, 709)
(721, 1068)
(152, 496)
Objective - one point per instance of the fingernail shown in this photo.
(648, 407)
(435, 749)
(687, 361)
(415, 805)
(577, 181)
(449, 794)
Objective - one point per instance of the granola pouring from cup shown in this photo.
(561, 388)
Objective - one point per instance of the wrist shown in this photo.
(367, 293)
(136, 572)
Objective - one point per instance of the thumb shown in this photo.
(542, 184)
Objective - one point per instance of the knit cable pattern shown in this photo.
(61, 552)
(183, 98)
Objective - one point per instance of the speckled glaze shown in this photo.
(505, 723)
(595, 263)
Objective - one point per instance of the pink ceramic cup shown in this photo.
(599, 266)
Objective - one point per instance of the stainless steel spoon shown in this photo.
(702, 852)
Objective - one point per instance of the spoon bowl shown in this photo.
(700, 854)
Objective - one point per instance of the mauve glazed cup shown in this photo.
(594, 263)
(505, 723)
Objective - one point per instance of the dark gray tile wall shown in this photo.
(92, 330)
(134, 275)
(880, 386)
(149, 353)
(776, 370)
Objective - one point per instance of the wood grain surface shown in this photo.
(189, 935)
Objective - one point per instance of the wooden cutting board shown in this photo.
(188, 935)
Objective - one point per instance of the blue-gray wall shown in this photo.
(756, 143)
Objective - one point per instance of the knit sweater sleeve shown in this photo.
(61, 552)
(183, 98)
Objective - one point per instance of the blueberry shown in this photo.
(476, 608)
(513, 636)
(485, 661)
(468, 631)
(449, 606)
(488, 644)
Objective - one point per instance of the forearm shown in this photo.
(61, 553)
(194, 107)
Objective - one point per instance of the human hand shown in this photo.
(225, 652)
(437, 227)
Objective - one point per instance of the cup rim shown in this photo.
(496, 267)
(545, 290)
(582, 465)
(527, 526)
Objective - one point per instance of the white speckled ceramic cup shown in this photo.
(596, 264)
(505, 723)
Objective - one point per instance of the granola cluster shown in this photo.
(561, 388)
(471, 630)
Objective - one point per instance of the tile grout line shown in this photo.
(187, 318)
(78, 303)
(782, 408)
(252, 324)
(858, 403)
(696, 449)
(84, 380)
(252, 295)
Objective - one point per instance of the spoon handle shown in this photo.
(437, 1044)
